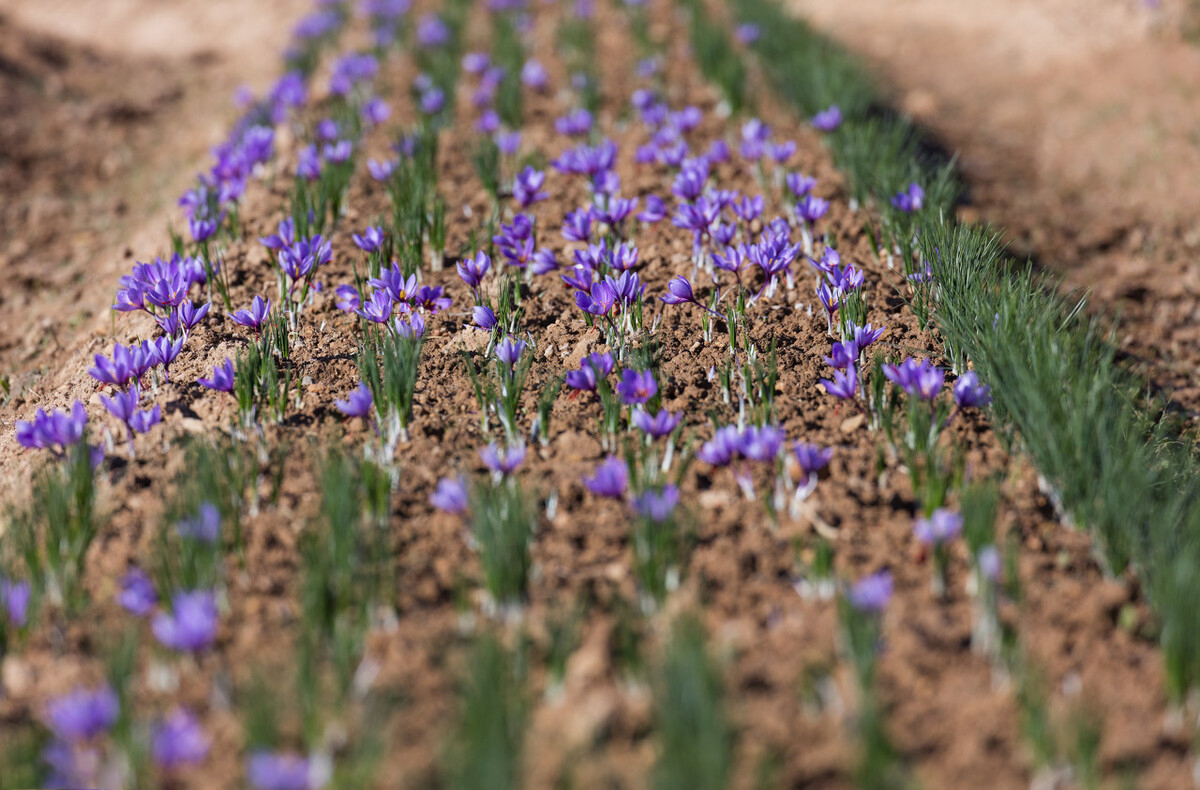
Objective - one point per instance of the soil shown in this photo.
(1078, 130)
(952, 715)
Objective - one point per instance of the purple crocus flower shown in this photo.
(871, 594)
(278, 771)
(55, 431)
(508, 142)
(921, 379)
(828, 119)
(371, 239)
(509, 351)
(14, 597)
(255, 317)
(432, 101)
(178, 740)
(658, 426)
(655, 210)
(679, 291)
(484, 317)
(866, 335)
(476, 62)
(451, 495)
(611, 479)
(472, 270)
(204, 527)
(375, 111)
(222, 377)
(191, 625)
(968, 392)
(843, 355)
(811, 208)
(543, 262)
(941, 527)
(577, 225)
(123, 404)
(503, 462)
(83, 714)
(909, 200)
(658, 506)
(636, 386)
(761, 444)
(844, 385)
(598, 301)
(533, 74)
(189, 316)
(118, 371)
(378, 309)
(989, 563)
(136, 593)
(811, 457)
(723, 448)
(432, 32)
(348, 299)
(358, 403)
(382, 171)
(591, 368)
(746, 33)
(164, 351)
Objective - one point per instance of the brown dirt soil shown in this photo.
(1078, 128)
(954, 719)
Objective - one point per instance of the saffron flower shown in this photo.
(136, 593)
(371, 239)
(255, 316)
(357, 403)
(811, 458)
(844, 385)
(191, 625)
(83, 714)
(598, 300)
(279, 771)
(658, 506)
(378, 309)
(121, 369)
(204, 526)
(761, 444)
(527, 188)
(968, 392)
(55, 431)
(348, 298)
(828, 119)
(178, 740)
(866, 335)
(502, 462)
(658, 426)
(723, 448)
(679, 291)
(164, 351)
(484, 317)
(636, 386)
(655, 210)
(921, 379)
(222, 377)
(14, 597)
(450, 495)
(941, 527)
(810, 209)
(909, 200)
(610, 479)
(844, 355)
(871, 594)
(509, 351)
(472, 270)
(124, 406)
(591, 368)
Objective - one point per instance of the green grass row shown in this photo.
(1110, 453)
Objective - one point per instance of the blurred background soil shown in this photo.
(107, 112)
(1077, 123)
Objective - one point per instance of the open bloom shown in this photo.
(909, 200)
(969, 392)
(83, 713)
(658, 426)
(472, 270)
(844, 385)
(871, 594)
(509, 351)
(278, 771)
(222, 377)
(723, 448)
(658, 506)
(255, 316)
(191, 625)
(944, 525)
(503, 462)
(919, 379)
(451, 495)
(14, 598)
(611, 478)
(178, 740)
(828, 119)
(55, 431)
(357, 403)
(637, 386)
(591, 368)
(136, 593)
(811, 457)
